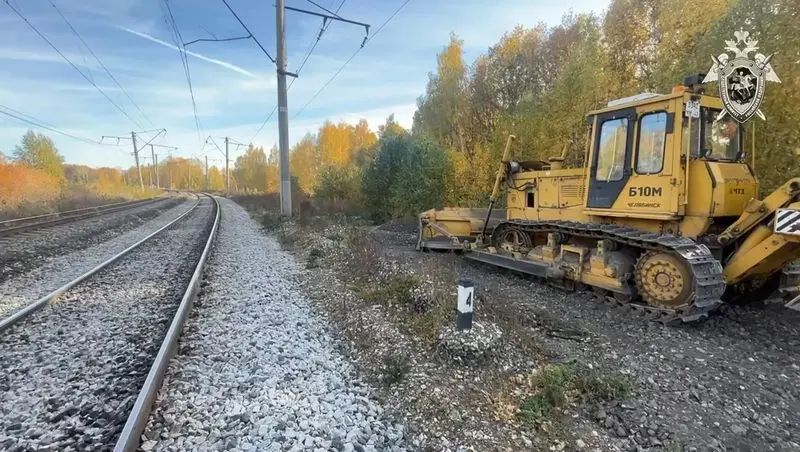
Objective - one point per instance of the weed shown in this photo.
(314, 255)
(428, 325)
(396, 292)
(604, 387)
(270, 221)
(557, 386)
(366, 256)
(395, 368)
(534, 409)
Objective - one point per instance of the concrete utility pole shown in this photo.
(158, 182)
(136, 157)
(283, 110)
(227, 171)
(206, 172)
(155, 168)
(136, 151)
(151, 182)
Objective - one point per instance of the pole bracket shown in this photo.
(290, 74)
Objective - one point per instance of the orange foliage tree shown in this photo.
(21, 185)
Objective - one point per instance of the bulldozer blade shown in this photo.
(449, 228)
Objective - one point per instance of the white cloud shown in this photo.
(224, 64)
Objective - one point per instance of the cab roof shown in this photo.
(649, 98)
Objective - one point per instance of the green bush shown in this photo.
(338, 184)
(407, 177)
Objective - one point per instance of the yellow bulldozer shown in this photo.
(664, 216)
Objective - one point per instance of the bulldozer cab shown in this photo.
(646, 151)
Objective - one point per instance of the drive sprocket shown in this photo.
(663, 280)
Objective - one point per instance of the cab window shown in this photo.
(611, 155)
(652, 135)
(712, 138)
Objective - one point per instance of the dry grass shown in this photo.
(64, 198)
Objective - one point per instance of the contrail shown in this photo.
(224, 64)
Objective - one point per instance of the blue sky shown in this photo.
(234, 82)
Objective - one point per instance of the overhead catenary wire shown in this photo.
(314, 42)
(248, 31)
(32, 120)
(312, 45)
(64, 57)
(237, 38)
(336, 14)
(176, 34)
(100, 62)
(336, 74)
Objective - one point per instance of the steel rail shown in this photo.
(130, 437)
(19, 225)
(49, 298)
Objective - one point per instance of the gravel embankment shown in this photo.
(23, 252)
(70, 374)
(55, 271)
(726, 384)
(256, 369)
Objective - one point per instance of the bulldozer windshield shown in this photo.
(712, 138)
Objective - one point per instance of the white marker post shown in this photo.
(466, 304)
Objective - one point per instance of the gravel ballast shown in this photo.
(57, 270)
(70, 373)
(22, 252)
(256, 369)
(726, 384)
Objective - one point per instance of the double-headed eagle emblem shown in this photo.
(741, 79)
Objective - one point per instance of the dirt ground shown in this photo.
(727, 384)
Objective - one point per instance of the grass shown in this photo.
(429, 324)
(556, 386)
(366, 257)
(395, 292)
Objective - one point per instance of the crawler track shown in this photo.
(708, 283)
(78, 375)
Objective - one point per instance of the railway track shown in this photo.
(26, 224)
(34, 243)
(80, 367)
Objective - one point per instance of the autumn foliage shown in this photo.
(20, 185)
(36, 180)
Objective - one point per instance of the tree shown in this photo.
(251, 169)
(390, 128)
(216, 179)
(38, 151)
(304, 162)
(440, 112)
(407, 176)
